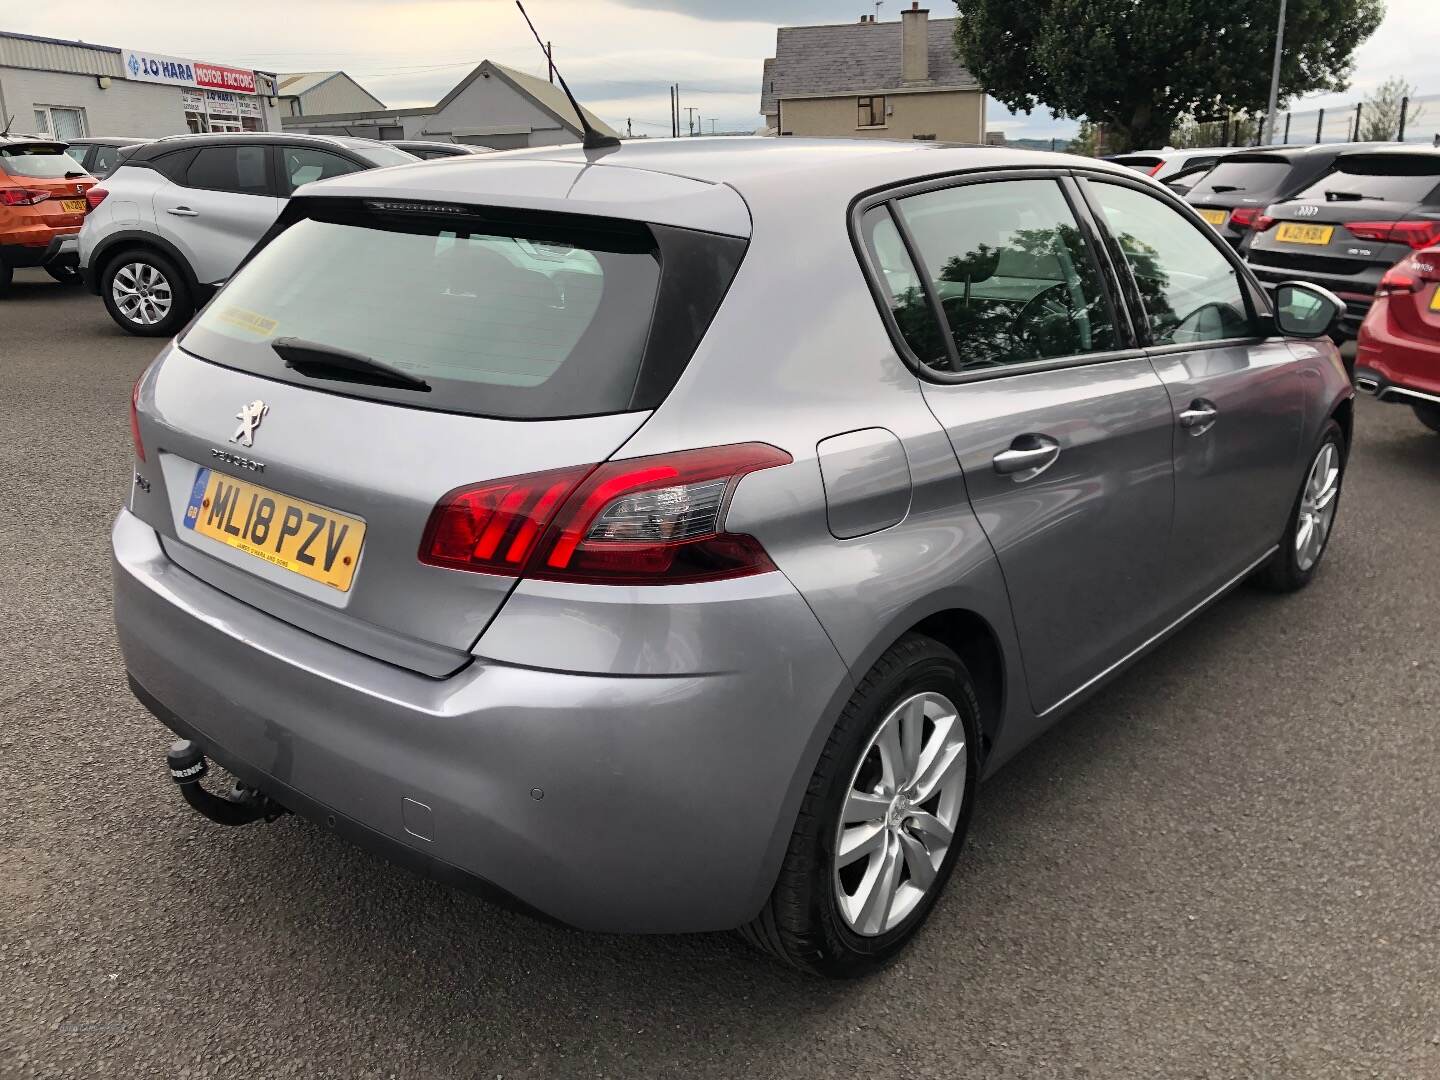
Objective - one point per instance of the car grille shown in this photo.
(1314, 264)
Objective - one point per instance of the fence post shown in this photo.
(1404, 107)
(1359, 105)
(1319, 125)
(1286, 139)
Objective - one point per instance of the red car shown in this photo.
(1398, 354)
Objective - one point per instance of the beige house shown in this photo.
(885, 80)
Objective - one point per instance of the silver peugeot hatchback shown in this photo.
(671, 538)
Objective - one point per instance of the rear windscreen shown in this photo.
(1407, 178)
(39, 162)
(1247, 177)
(500, 318)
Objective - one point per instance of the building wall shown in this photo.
(490, 101)
(136, 109)
(948, 115)
(337, 95)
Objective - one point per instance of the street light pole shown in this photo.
(1275, 79)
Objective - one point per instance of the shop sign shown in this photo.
(158, 68)
(224, 104)
(249, 106)
(192, 101)
(215, 77)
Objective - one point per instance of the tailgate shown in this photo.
(352, 461)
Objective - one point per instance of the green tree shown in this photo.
(1138, 67)
(1086, 141)
(1380, 115)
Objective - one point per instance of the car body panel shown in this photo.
(1398, 351)
(43, 232)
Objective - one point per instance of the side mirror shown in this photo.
(1306, 311)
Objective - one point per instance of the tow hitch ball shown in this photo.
(239, 806)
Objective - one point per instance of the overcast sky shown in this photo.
(618, 55)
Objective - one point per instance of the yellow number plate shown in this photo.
(73, 206)
(1435, 301)
(1215, 217)
(1292, 233)
(299, 536)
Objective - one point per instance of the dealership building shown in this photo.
(70, 89)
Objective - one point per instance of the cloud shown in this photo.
(764, 11)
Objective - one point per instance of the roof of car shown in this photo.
(172, 142)
(106, 140)
(1387, 149)
(30, 140)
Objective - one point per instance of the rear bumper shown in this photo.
(621, 804)
(1395, 365)
(62, 249)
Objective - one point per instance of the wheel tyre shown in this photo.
(7, 274)
(182, 306)
(1429, 415)
(64, 273)
(802, 923)
(1283, 572)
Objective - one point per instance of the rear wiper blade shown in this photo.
(319, 361)
(1349, 196)
(75, 175)
(1226, 187)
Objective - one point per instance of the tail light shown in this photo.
(1410, 275)
(1156, 168)
(1245, 217)
(651, 520)
(1415, 234)
(1263, 222)
(135, 419)
(95, 196)
(19, 196)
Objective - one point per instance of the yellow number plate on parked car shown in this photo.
(73, 206)
(1293, 233)
(1215, 217)
(299, 536)
(1435, 301)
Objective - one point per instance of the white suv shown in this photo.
(178, 216)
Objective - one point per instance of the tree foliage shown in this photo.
(1380, 115)
(1137, 66)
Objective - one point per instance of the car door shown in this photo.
(1060, 425)
(1237, 395)
(219, 207)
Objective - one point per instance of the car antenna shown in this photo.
(8, 123)
(593, 139)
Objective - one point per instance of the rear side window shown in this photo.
(39, 162)
(1011, 271)
(238, 169)
(104, 159)
(522, 315)
(1243, 177)
(1407, 178)
(1190, 291)
(304, 164)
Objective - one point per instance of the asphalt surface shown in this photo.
(1226, 865)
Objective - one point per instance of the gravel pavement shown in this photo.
(1225, 865)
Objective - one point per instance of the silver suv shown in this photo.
(177, 216)
(671, 538)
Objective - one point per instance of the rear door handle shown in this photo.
(183, 211)
(1199, 417)
(1027, 458)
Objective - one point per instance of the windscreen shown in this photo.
(499, 318)
(1253, 177)
(1405, 178)
(40, 162)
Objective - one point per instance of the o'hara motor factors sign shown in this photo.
(176, 71)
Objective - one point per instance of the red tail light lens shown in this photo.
(1263, 222)
(1397, 280)
(654, 520)
(95, 196)
(135, 420)
(1415, 234)
(1244, 217)
(1155, 168)
(19, 196)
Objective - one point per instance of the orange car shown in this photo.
(42, 206)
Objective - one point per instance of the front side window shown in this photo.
(1012, 271)
(1190, 291)
(871, 112)
(238, 169)
(304, 164)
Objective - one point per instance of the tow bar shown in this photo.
(239, 806)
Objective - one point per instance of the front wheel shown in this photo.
(1308, 533)
(1429, 415)
(146, 294)
(883, 819)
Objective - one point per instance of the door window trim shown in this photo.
(1257, 301)
(888, 197)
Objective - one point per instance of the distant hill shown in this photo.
(1061, 145)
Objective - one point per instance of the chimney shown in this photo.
(914, 44)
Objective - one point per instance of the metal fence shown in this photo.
(1418, 121)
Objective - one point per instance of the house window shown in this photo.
(872, 112)
(60, 121)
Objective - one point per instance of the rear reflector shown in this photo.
(1415, 234)
(19, 196)
(649, 521)
(95, 196)
(135, 419)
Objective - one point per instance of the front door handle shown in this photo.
(1027, 458)
(1199, 417)
(183, 211)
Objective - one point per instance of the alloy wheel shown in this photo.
(899, 814)
(141, 293)
(1317, 507)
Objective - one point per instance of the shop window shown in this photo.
(61, 121)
